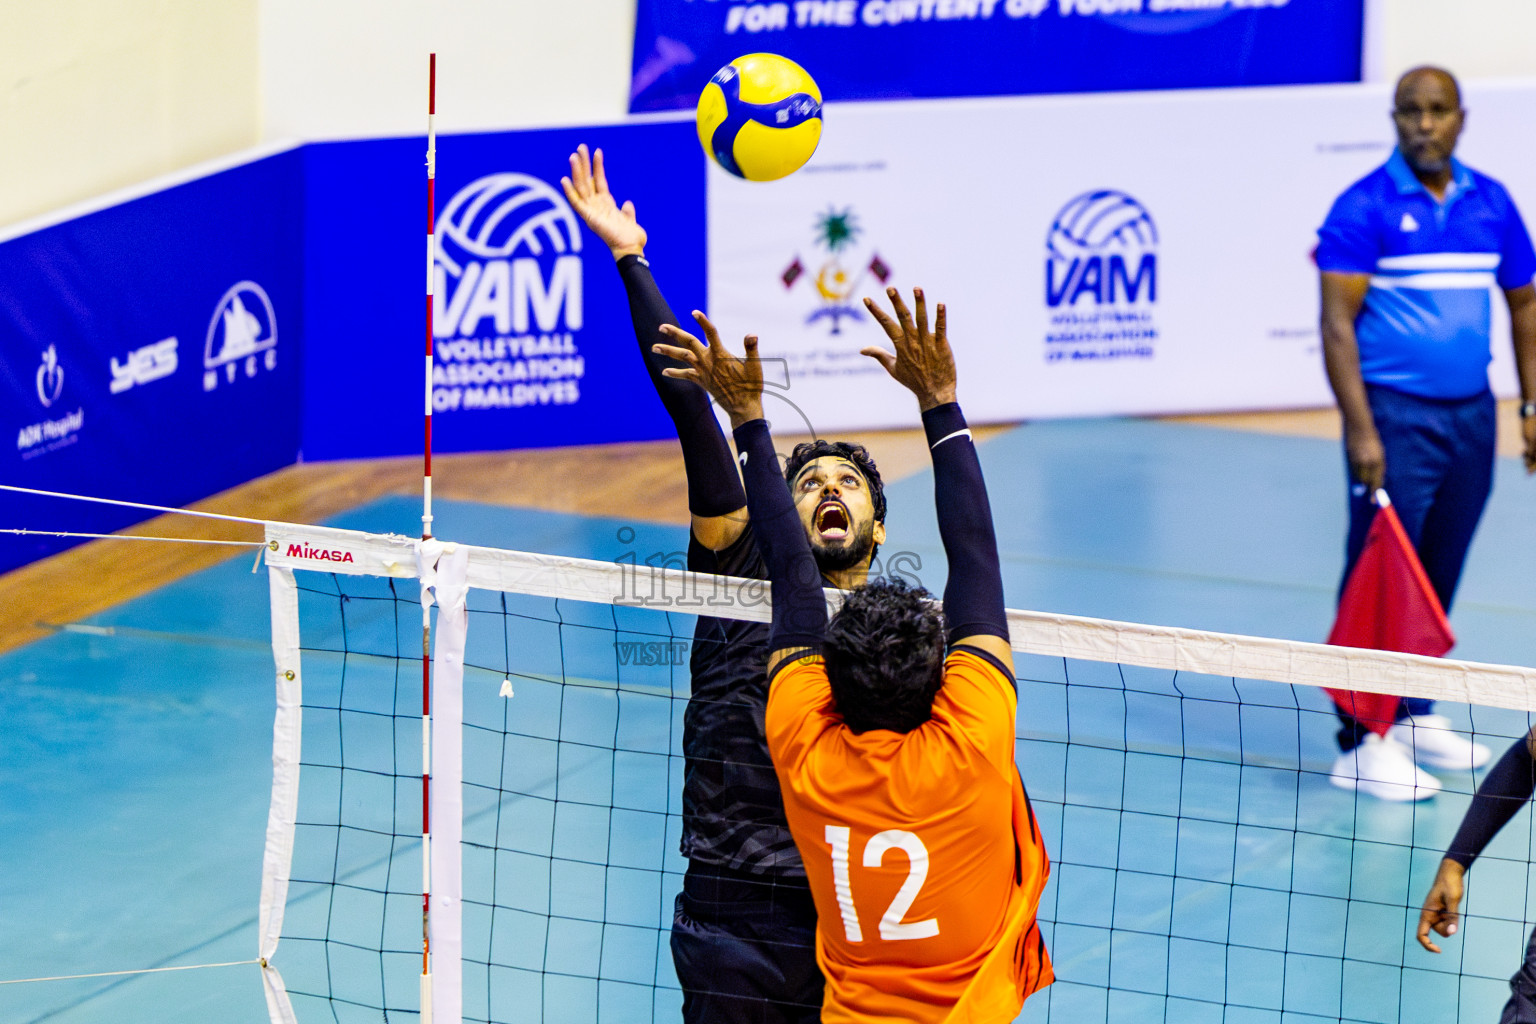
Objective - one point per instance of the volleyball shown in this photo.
(760, 117)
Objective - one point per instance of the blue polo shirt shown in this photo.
(1425, 323)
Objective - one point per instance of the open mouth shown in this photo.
(832, 520)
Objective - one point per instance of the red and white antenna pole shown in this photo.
(426, 485)
(426, 534)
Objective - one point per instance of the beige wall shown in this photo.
(99, 94)
(1473, 38)
(347, 68)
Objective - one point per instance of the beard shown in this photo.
(1433, 162)
(845, 553)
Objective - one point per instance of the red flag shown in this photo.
(1387, 605)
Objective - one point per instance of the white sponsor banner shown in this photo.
(1139, 253)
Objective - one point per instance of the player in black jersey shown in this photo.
(1506, 788)
(743, 937)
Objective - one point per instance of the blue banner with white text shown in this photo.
(893, 49)
(150, 351)
(533, 343)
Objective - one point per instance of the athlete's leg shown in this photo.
(1521, 1008)
(745, 953)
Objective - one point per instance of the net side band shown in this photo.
(348, 552)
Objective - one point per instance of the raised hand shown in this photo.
(1441, 911)
(923, 363)
(737, 384)
(587, 191)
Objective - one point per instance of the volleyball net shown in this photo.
(1204, 869)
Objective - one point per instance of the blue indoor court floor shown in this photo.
(136, 762)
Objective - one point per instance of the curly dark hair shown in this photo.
(885, 656)
(857, 454)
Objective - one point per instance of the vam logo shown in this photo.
(241, 335)
(507, 297)
(50, 378)
(1095, 241)
(1101, 278)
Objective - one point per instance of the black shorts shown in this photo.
(745, 949)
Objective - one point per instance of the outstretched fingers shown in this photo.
(940, 327)
(599, 176)
(581, 171)
(709, 329)
(883, 319)
(685, 348)
(881, 356)
(922, 313)
(903, 315)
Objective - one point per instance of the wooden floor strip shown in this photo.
(641, 482)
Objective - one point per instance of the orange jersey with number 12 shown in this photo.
(923, 854)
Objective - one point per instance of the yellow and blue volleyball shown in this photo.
(760, 117)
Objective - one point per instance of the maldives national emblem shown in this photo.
(837, 232)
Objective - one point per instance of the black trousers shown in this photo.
(1521, 1008)
(745, 949)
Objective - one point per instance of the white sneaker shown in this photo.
(1383, 769)
(1430, 741)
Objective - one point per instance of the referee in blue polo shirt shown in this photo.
(1407, 256)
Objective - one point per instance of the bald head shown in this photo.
(1414, 76)
(1427, 112)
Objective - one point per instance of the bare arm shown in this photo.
(1522, 328)
(1343, 295)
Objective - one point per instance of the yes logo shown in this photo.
(143, 365)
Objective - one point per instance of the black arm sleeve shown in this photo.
(973, 597)
(799, 606)
(1504, 791)
(713, 487)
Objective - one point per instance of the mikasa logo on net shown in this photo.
(313, 554)
(507, 297)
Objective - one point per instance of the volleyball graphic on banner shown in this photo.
(760, 117)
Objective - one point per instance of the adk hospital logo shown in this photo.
(50, 434)
(507, 297)
(1101, 279)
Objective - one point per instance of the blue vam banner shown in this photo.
(150, 351)
(891, 49)
(533, 345)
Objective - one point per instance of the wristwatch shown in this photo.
(1527, 410)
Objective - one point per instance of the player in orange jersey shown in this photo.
(896, 761)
